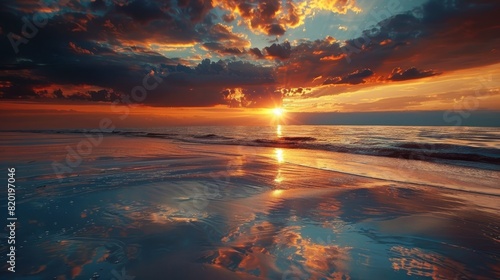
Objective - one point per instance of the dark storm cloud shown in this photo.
(214, 46)
(142, 11)
(124, 23)
(220, 37)
(281, 51)
(196, 9)
(256, 52)
(109, 50)
(204, 84)
(221, 49)
(354, 78)
(411, 73)
(98, 5)
(235, 51)
(275, 29)
(112, 30)
(102, 95)
(18, 87)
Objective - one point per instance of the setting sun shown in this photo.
(278, 112)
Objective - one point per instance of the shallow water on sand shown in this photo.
(156, 209)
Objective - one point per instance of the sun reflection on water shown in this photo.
(279, 178)
(277, 193)
(279, 155)
(280, 159)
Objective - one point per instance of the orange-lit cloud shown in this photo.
(273, 17)
(336, 6)
(78, 49)
(465, 90)
(264, 16)
(333, 57)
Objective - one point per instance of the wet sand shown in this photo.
(157, 209)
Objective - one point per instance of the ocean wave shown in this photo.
(158, 135)
(211, 136)
(298, 138)
(427, 151)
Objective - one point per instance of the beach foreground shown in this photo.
(158, 209)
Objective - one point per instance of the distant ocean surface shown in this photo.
(465, 146)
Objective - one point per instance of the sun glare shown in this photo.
(278, 112)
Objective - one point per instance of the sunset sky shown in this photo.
(151, 63)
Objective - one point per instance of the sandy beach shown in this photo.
(155, 208)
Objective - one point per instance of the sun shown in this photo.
(278, 112)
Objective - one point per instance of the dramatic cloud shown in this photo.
(100, 50)
(354, 78)
(281, 51)
(78, 49)
(412, 73)
(438, 35)
(252, 96)
(221, 49)
(256, 52)
(111, 51)
(220, 38)
(262, 16)
(141, 11)
(274, 17)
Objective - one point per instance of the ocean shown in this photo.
(236, 202)
(472, 146)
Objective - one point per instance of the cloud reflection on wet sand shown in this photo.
(209, 215)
